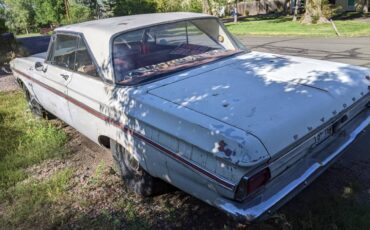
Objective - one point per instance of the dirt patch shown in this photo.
(7, 83)
(84, 157)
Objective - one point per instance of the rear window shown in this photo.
(149, 53)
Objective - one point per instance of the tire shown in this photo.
(134, 176)
(35, 106)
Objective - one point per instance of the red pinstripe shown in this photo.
(126, 129)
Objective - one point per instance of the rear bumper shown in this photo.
(285, 186)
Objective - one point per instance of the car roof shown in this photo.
(111, 26)
(98, 33)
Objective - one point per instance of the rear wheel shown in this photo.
(135, 177)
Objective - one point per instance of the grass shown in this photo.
(24, 140)
(28, 35)
(332, 213)
(31, 203)
(284, 26)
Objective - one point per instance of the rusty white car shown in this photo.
(179, 100)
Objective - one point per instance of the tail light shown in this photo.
(251, 184)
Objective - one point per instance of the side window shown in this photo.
(84, 62)
(62, 51)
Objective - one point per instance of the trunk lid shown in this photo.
(276, 98)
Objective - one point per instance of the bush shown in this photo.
(79, 13)
(129, 7)
(7, 47)
(3, 27)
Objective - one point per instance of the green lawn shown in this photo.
(284, 26)
(24, 140)
(28, 35)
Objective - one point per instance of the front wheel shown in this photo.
(35, 106)
(135, 177)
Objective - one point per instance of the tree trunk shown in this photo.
(366, 6)
(66, 6)
(207, 7)
(236, 12)
(314, 13)
(295, 10)
(292, 2)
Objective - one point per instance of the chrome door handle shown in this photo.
(65, 76)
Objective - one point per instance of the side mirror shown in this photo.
(39, 66)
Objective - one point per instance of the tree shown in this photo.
(129, 7)
(107, 8)
(3, 28)
(296, 6)
(20, 15)
(207, 6)
(79, 13)
(213, 6)
(93, 5)
(176, 5)
(49, 12)
(168, 5)
(366, 6)
(314, 12)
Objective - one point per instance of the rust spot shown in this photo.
(334, 112)
(353, 99)
(362, 93)
(309, 128)
(344, 105)
(322, 119)
(225, 105)
(215, 94)
(222, 148)
(295, 137)
(368, 78)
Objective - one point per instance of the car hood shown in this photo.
(278, 99)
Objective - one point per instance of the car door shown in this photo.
(56, 75)
(90, 95)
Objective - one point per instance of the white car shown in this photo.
(179, 100)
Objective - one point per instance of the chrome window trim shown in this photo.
(100, 76)
(114, 36)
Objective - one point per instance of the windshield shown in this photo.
(144, 54)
